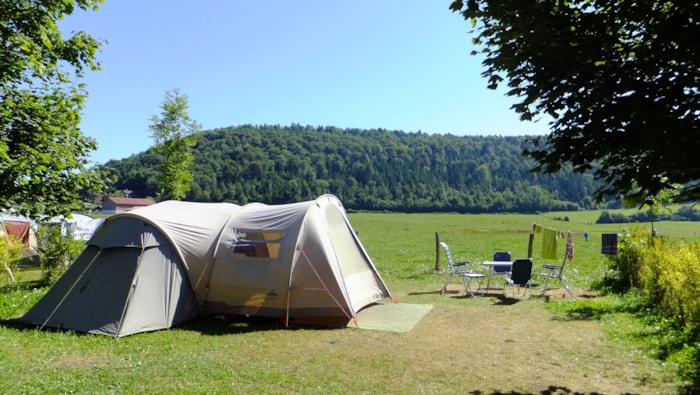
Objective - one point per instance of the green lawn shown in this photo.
(483, 345)
(403, 245)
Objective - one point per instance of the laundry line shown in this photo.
(550, 237)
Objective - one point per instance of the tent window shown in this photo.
(259, 244)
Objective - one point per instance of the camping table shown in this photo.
(490, 265)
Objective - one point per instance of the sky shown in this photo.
(391, 64)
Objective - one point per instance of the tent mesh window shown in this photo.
(259, 244)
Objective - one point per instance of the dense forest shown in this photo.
(367, 169)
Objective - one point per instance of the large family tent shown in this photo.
(157, 266)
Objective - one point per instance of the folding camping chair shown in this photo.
(461, 269)
(500, 270)
(556, 272)
(520, 277)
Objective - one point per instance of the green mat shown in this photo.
(392, 317)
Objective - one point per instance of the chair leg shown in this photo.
(566, 286)
(546, 281)
(444, 287)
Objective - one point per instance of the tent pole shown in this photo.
(289, 296)
(131, 291)
(289, 289)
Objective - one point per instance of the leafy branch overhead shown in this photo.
(620, 80)
(43, 154)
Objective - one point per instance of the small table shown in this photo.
(490, 265)
(467, 278)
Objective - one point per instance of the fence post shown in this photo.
(530, 241)
(437, 251)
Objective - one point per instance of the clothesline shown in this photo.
(573, 232)
(550, 238)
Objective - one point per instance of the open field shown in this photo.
(404, 244)
(481, 345)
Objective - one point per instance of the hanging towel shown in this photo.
(609, 244)
(569, 247)
(549, 243)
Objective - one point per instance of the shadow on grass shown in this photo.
(434, 292)
(220, 325)
(213, 326)
(14, 323)
(551, 390)
(209, 326)
(21, 286)
(596, 309)
(504, 300)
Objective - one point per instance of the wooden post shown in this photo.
(437, 251)
(530, 242)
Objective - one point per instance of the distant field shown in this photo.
(403, 245)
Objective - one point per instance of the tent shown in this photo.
(155, 267)
(23, 230)
(80, 226)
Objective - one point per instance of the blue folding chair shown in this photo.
(501, 270)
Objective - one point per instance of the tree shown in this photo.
(619, 78)
(43, 154)
(174, 134)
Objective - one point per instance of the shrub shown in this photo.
(671, 278)
(667, 274)
(624, 268)
(57, 249)
(10, 253)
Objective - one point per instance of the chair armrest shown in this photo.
(551, 267)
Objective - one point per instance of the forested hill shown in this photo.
(367, 170)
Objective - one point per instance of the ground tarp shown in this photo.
(391, 317)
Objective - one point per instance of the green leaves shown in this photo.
(619, 78)
(174, 135)
(42, 152)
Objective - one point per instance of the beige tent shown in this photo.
(160, 265)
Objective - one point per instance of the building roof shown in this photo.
(131, 201)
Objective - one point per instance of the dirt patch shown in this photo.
(504, 345)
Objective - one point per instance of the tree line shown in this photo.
(373, 169)
(683, 213)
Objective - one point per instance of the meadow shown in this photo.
(481, 345)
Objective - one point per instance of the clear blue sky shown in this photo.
(398, 65)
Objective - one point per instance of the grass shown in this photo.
(483, 345)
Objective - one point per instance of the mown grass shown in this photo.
(464, 345)
(403, 245)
